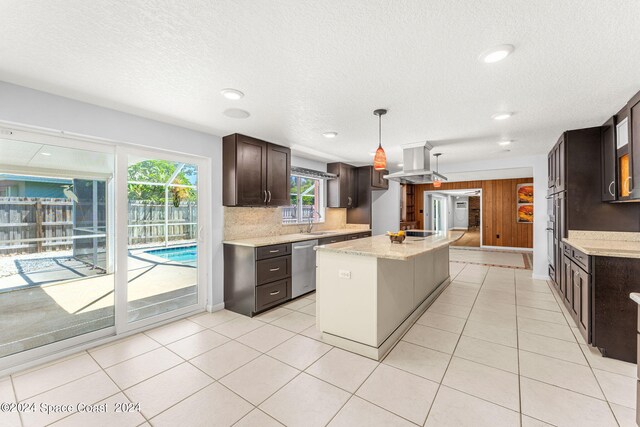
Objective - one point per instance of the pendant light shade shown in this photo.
(380, 159)
(436, 182)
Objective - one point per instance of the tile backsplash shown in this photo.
(243, 223)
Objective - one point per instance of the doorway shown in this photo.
(455, 210)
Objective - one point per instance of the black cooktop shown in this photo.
(419, 233)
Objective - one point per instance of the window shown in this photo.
(307, 201)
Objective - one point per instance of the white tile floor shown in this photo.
(495, 349)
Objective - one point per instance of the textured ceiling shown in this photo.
(316, 66)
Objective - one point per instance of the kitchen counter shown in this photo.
(370, 291)
(256, 242)
(635, 297)
(381, 246)
(606, 248)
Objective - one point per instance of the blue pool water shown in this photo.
(185, 255)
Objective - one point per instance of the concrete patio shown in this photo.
(74, 299)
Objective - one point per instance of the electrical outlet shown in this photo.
(344, 274)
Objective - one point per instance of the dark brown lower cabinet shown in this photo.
(596, 290)
(258, 279)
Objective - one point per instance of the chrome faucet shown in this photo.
(310, 225)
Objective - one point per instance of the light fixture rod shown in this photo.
(380, 112)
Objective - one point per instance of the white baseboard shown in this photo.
(541, 276)
(460, 228)
(217, 307)
(507, 248)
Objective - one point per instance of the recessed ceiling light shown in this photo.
(45, 154)
(236, 113)
(232, 94)
(501, 116)
(496, 53)
(505, 143)
(330, 134)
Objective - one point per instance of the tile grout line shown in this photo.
(121, 390)
(435, 396)
(518, 351)
(591, 368)
(15, 397)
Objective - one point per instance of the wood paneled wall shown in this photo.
(499, 225)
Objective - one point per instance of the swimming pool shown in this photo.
(185, 254)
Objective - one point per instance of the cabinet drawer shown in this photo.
(367, 234)
(271, 294)
(266, 252)
(580, 258)
(329, 240)
(270, 270)
(567, 250)
(353, 237)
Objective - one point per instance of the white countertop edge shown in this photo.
(335, 248)
(292, 238)
(609, 252)
(635, 296)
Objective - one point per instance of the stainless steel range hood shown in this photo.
(416, 167)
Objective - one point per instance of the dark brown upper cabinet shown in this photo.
(557, 167)
(377, 180)
(278, 175)
(369, 180)
(255, 172)
(342, 192)
(633, 108)
(608, 169)
(551, 171)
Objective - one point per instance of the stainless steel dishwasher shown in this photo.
(303, 267)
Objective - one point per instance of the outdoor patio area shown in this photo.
(75, 298)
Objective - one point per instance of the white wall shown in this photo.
(461, 216)
(301, 162)
(32, 108)
(385, 209)
(538, 164)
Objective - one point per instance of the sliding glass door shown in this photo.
(56, 260)
(162, 236)
(95, 241)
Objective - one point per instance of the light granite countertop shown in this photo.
(291, 238)
(381, 246)
(635, 296)
(603, 247)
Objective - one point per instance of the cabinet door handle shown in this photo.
(274, 269)
(274, 293)
(274, 251)
(611, 185)
(269, 191)
(265, 195)
(627, 182)
(348, 200)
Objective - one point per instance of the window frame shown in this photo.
(322, 188)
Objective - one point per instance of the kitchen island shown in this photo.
(370, 291)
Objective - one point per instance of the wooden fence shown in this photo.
(52, 219)
(34, 218)
(147, 222)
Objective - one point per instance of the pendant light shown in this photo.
(436, 182)
(380, 159)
